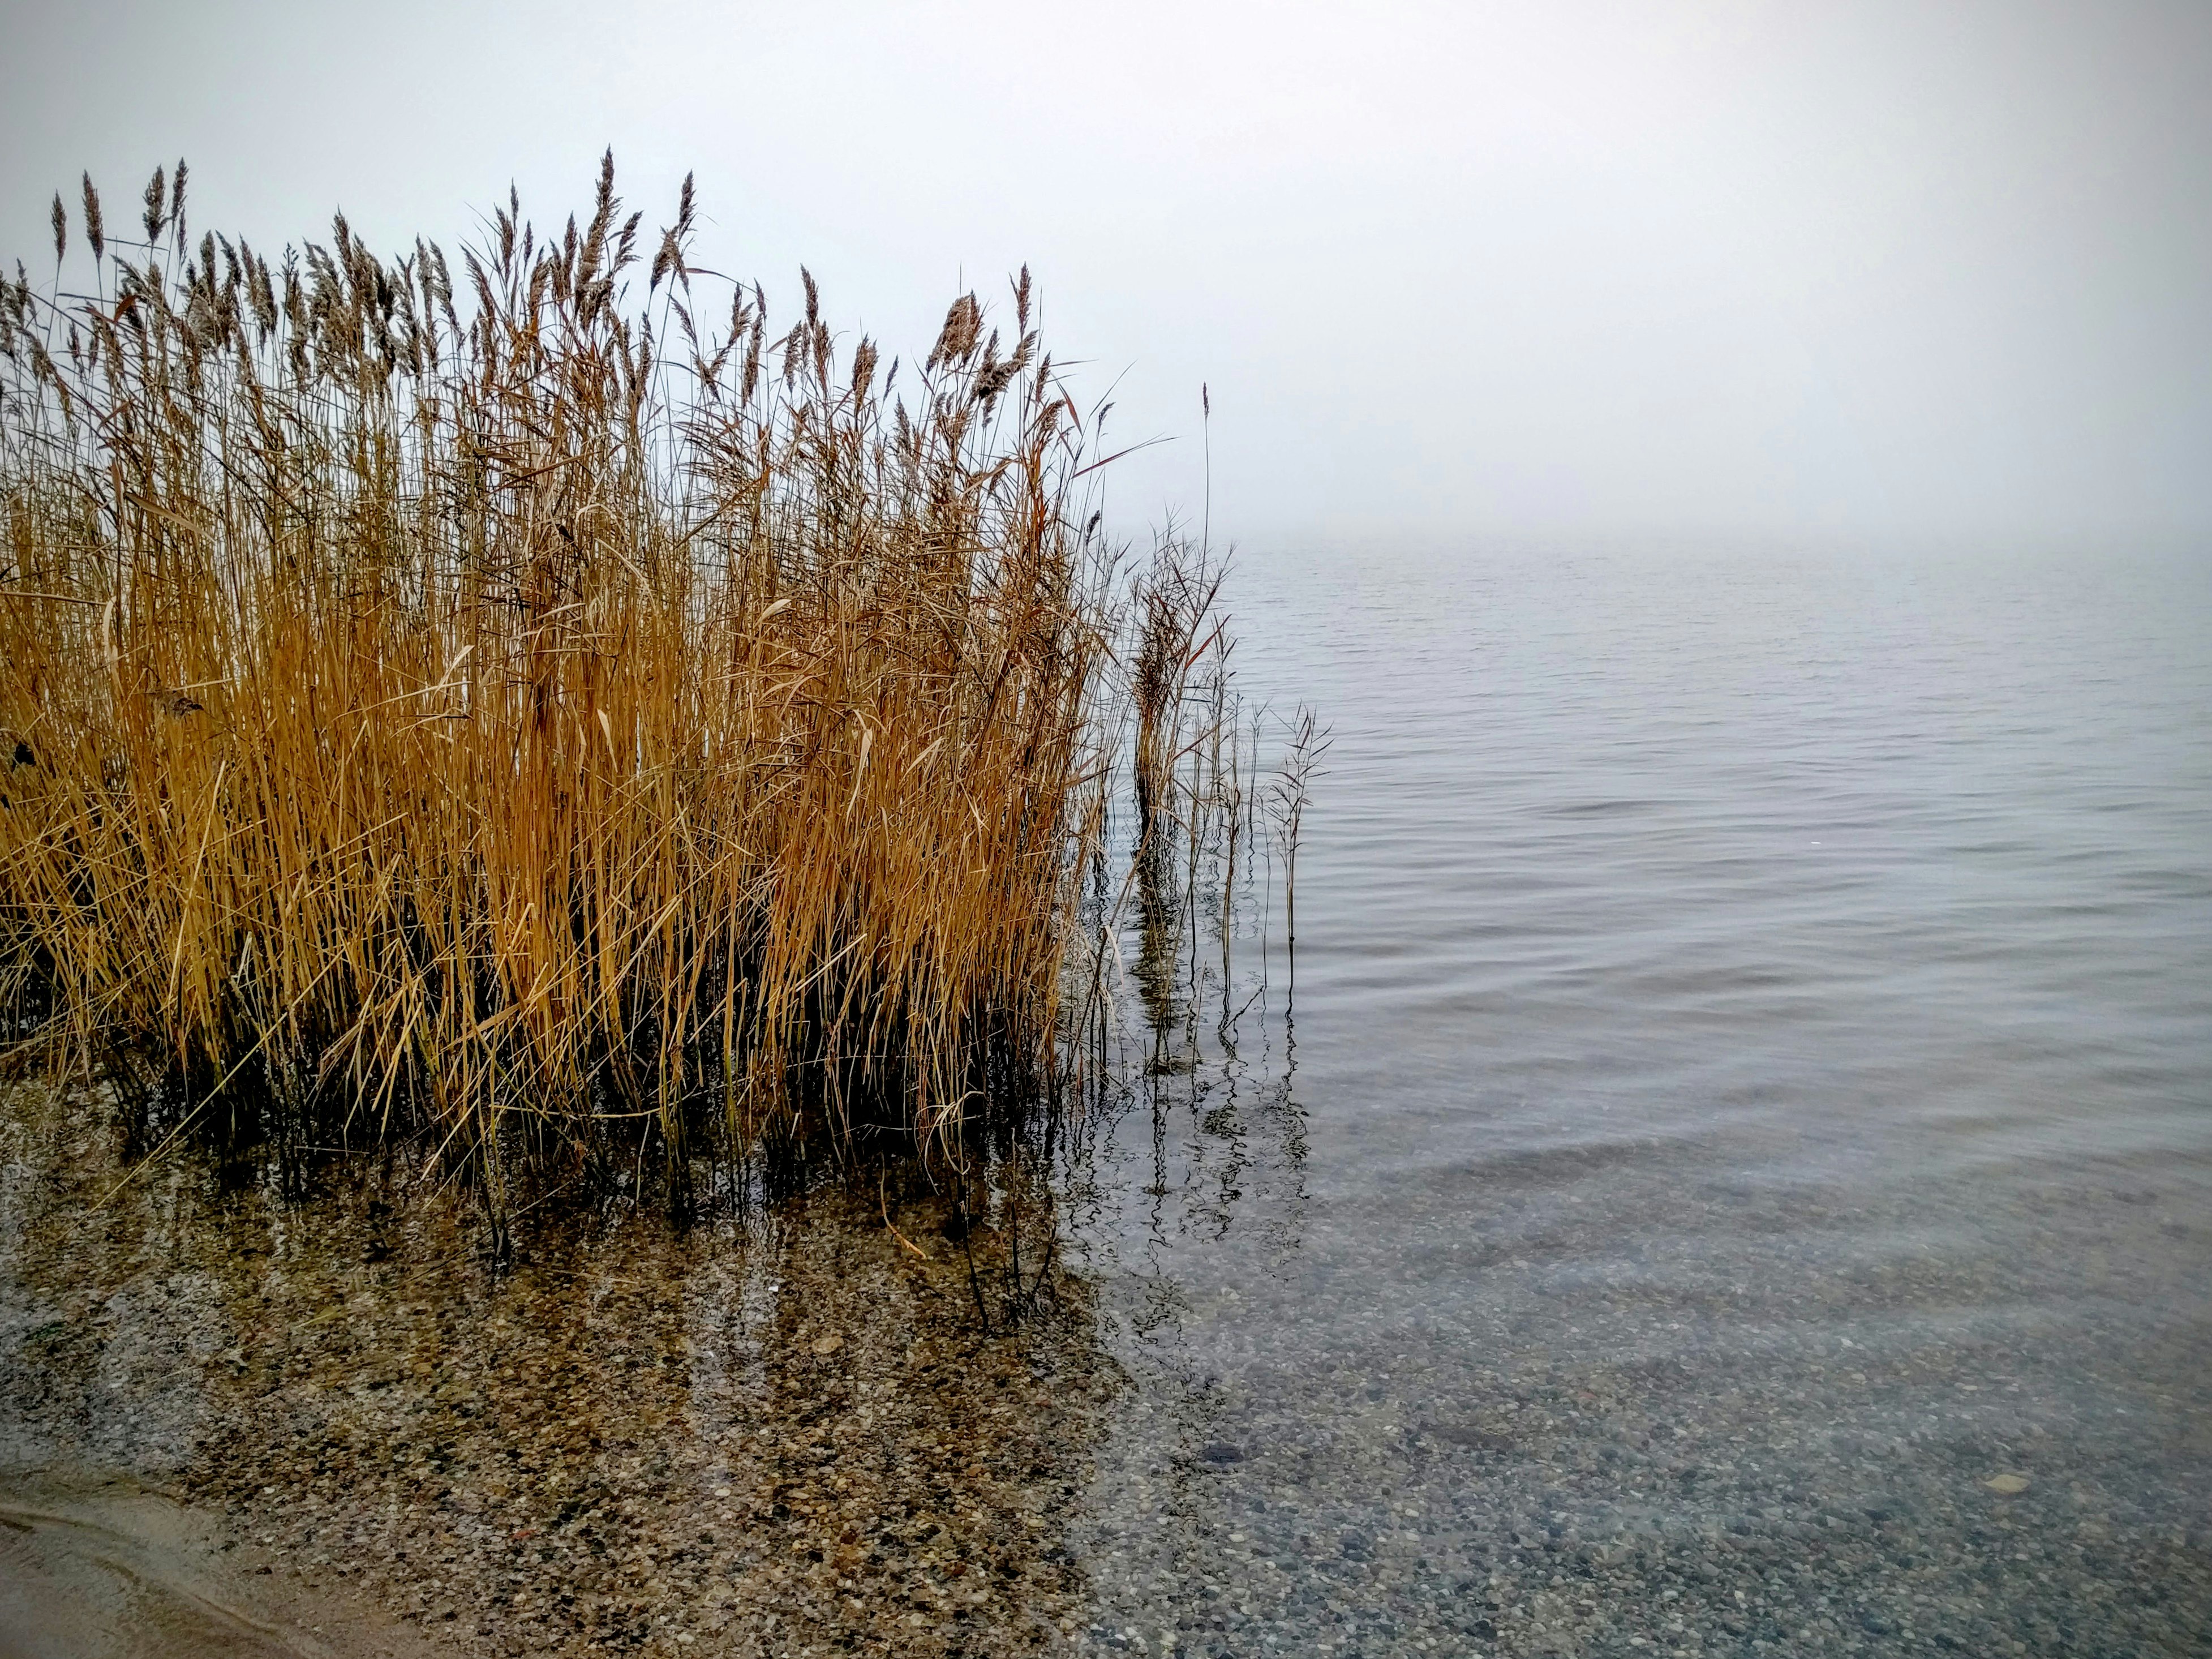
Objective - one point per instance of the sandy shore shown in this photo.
(101, 1567)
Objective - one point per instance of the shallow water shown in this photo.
(1754, 1088)
(762, 1437)
(1746, 1090)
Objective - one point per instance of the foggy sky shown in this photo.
(1831, 272)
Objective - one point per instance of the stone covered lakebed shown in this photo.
(753, 1436)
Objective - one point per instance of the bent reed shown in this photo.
(487, 703)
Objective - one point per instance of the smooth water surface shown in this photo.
(1753, 1089)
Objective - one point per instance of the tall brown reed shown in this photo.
(487, 699)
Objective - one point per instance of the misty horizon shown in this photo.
(1834, 275)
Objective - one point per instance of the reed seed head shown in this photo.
(95, 232)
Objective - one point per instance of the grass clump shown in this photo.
(489, 700)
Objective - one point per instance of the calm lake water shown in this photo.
(1726, 1173)
(1753, 1088)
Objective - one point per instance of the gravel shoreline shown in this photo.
(754, 1440)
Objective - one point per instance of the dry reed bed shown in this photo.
(486, 699)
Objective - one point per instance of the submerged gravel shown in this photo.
(780, 1438)
(1588, 1408)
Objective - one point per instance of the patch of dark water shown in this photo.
(779, 1434)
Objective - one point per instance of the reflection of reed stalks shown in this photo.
(1174, 604)
(1011, 1200)
(1159, 935)
(499, 701)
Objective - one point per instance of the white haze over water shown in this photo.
(1827, 273)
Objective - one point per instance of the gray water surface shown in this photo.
(1753, 1089)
